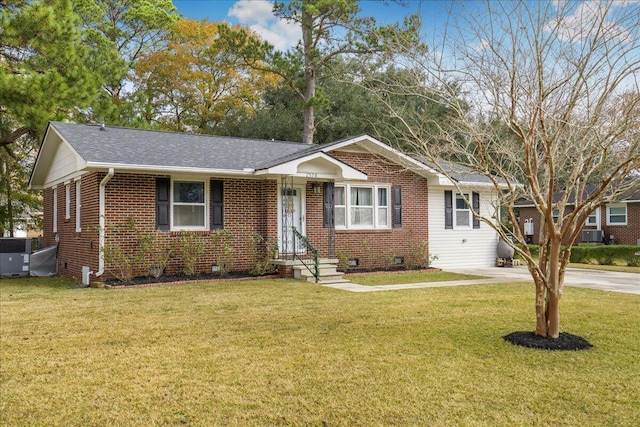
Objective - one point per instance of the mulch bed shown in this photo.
(564, 342)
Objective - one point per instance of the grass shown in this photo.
(288, 353)
(395, 278)
(621, 268)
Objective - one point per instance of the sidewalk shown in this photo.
(593, 279)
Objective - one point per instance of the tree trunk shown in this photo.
(309, 77)
(553, 295)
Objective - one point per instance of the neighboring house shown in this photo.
(612, 223)
(356, 197)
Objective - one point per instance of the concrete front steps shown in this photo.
(328, 275)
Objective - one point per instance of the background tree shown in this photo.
(43, 76)
(195, 83)
(119, 33)
(550, 109)
(332, 28)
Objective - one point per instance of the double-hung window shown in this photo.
(362, 206)
(617, 214)
(78, 207)
(592, 219)
(462, 213)
(189, 204)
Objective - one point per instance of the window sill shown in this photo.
(361, 230)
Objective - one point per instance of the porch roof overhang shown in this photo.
(317, 166)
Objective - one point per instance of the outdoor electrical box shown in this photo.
(14, 256)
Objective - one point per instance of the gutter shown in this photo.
(101, 228)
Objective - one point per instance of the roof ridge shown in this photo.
(175, 132)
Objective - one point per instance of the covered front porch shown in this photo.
(306, 220)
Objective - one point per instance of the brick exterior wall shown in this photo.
(374, 248)
(75, 249)
(623, 234)
(250, 207)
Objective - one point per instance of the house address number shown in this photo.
(312, 175)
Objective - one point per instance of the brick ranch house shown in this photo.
(358, 198)
(612, 223)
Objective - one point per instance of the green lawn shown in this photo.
(290, 353)
(395, 278)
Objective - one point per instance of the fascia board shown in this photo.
(47, 151)
(291, 168)
(376, 147)
(166, 170)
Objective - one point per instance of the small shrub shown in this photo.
(224, 252)
(343, 260)
(159, 251)
(262, 252)
(190, 248)
(118, 262)
(419, 256)
(125, 254)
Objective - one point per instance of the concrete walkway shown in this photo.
(593, 279)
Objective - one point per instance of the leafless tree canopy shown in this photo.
(547, 99)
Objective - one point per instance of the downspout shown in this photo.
(101, 228)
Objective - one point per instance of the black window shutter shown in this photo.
(448, 209)
(163, 188)
(396, 214)
(328, 211)
(476, 208)
(217, 204)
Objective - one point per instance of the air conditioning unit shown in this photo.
(592, 236)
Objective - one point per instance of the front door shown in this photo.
(292, 214)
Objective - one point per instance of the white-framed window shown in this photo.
(462, 212)
(617, 214)
(78, 206)
(189, 205)
(362, 206)
(55, 209)
(67, 201)
(592, 219)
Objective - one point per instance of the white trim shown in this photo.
(67, 200)
(296, 168)
(55, 209)
(375, 208)
(173, 204)
(78, 207)
(467, 209)
(303, 211)
(102, 195)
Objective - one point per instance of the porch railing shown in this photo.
(310, 258)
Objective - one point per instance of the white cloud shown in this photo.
(258, 15)
(584, 21)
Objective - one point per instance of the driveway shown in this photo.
(594, 279)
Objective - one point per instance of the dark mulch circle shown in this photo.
(564, 342)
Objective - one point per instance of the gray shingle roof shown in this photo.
(128, 146)
(460, 173)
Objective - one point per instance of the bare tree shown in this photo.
(546, 98)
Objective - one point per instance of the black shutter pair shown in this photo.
(328, 211)
(448, 209)
(163, 204)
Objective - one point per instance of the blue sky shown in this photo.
(256, 14)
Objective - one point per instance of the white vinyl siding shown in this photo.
(461, 247)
